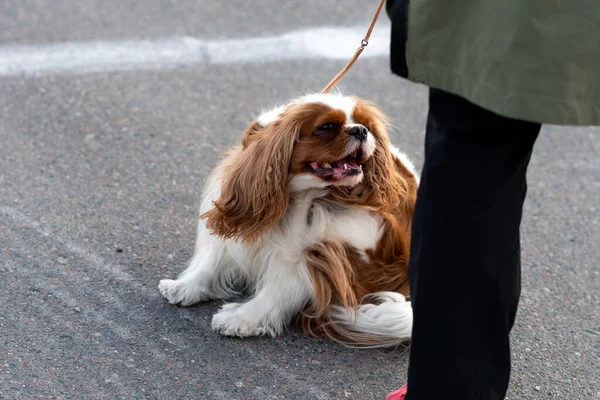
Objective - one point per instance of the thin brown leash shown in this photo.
(360, 49)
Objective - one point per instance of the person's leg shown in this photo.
(465, 256)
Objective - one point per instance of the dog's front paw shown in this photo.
(182, 293)
(232, 321)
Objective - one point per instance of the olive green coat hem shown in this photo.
(534, 60)
(508, 103)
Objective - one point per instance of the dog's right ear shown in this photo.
(254, 192)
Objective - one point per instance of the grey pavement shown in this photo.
(100, 178)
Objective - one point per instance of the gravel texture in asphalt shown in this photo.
(100, 178)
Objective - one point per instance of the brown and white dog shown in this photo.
(311, 214)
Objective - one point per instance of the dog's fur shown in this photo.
(312, 215)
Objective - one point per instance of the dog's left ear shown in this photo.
(254, 193)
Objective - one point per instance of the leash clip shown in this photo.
(363, 44)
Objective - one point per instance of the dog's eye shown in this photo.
(325, 128)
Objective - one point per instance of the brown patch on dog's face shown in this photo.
(326, 148)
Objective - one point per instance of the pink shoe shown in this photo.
(398, 394)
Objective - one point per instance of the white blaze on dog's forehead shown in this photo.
(272, 115)
(333, 100)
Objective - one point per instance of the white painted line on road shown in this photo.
(167, 53)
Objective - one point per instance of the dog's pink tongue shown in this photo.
(338, 172)
(314, 165)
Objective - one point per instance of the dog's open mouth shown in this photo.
(347, 166)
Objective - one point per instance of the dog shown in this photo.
(311, 216)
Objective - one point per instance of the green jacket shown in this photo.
(536, 60)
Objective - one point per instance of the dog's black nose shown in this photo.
(359, 132)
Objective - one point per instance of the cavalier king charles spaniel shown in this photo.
(311, 217)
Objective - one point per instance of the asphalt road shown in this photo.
(100, 177)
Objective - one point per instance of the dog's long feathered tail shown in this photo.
(384, 319)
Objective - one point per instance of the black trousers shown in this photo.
(465, 270)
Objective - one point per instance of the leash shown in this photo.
(363, 44)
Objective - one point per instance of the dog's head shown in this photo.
(316, 141)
